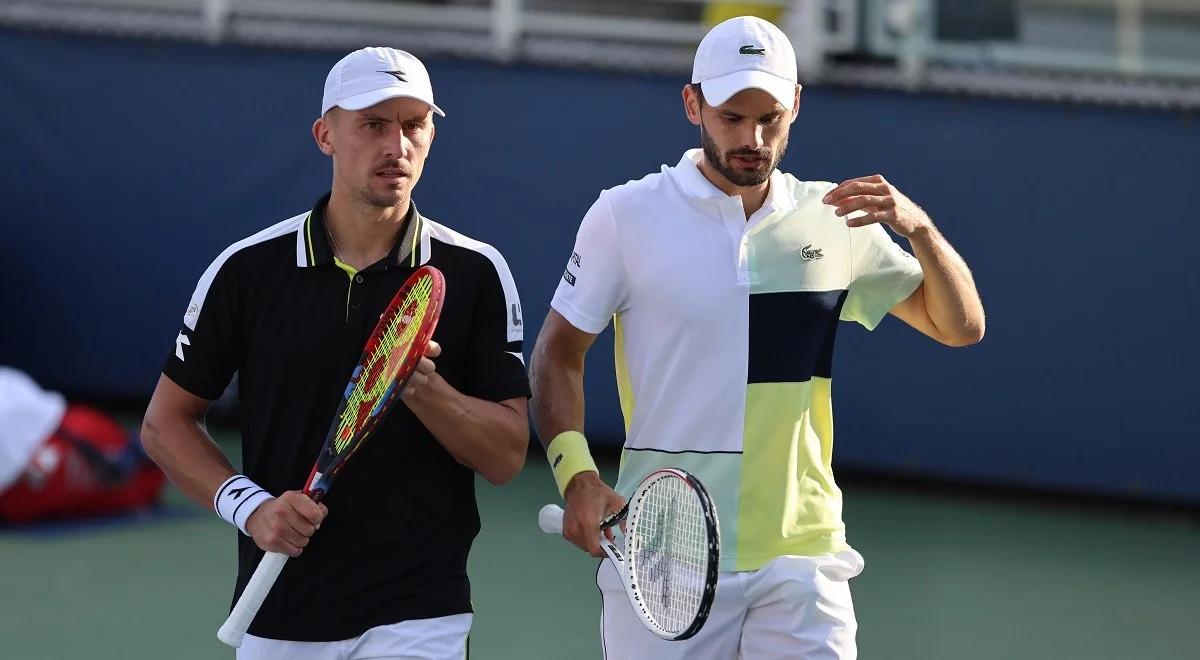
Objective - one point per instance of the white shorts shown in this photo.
(443, 638)
(793, 607)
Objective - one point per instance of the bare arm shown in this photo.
(556, 377)
(946, 306)
(489, 437)
(174, 436)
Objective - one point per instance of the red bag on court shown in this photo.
(90, 466)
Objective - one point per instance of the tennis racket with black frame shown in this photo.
(671, 559)
(390, 357)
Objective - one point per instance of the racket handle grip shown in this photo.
(234, 628)
(550, 519)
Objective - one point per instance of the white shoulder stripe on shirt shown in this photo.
(514, 322)
(292, 224)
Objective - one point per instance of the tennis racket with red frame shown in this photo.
(389, 358)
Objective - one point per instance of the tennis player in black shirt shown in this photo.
(289, 309)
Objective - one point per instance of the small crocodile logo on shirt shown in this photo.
(807, 253)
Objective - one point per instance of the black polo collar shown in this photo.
(314, 239)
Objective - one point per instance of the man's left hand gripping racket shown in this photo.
(390, 356)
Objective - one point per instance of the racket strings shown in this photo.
(669, 559)
(385, 356)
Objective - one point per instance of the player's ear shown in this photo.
(321, 133)
(692, 103)
(796, 104)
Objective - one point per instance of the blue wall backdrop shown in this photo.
(129, 165)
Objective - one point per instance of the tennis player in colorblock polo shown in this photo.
(725, 280)
(289, 310)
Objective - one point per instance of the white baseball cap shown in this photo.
(745, 52)
(370, 75)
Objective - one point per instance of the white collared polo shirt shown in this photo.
(724, 342)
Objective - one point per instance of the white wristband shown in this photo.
(237, 498)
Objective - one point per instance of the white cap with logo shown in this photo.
(745, 52)
(370, 75)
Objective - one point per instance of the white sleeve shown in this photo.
(883, 274)
(594, 285)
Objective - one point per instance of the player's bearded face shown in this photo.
(381, 151)
(744, 139)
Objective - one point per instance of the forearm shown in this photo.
(488, 437)
(951, 300)
(556, 378)
(557, 383)
(557, 395)
(188, 455)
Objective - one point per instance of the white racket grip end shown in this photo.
(234, 628)
(550, 519)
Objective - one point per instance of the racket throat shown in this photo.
(612, 550)
(318, 486)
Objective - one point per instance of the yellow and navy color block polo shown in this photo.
(725, 330)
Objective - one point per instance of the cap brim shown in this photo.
(368, 99)
(719, 90)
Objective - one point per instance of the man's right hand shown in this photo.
(588, 501)
(285, 524)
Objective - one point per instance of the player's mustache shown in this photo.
(764, 154)
(400, 165)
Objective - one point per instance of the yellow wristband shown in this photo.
(568, 455)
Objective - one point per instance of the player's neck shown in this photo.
(363, 234)
(753, 197)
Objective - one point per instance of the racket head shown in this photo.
(389, 358)
(672, 553)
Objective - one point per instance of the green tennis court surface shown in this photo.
(944, 580)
